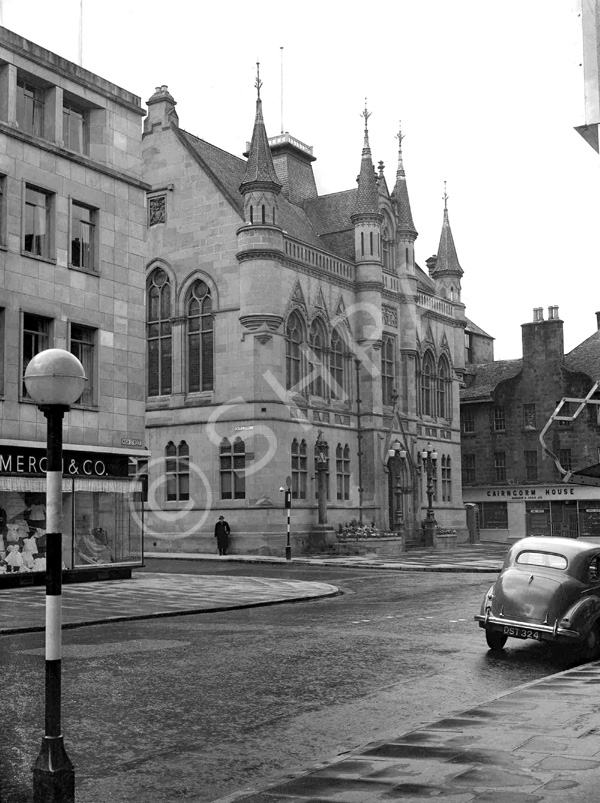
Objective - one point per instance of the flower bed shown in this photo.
(355, 530)
(367, 539)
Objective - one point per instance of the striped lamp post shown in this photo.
(54, 379)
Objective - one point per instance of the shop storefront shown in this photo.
(102, 516)
(507, 514)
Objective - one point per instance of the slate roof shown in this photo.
(367, 201)
(585, 357)
(259, 167)
(477, 330)
(488, 376)
(400, 194)
(424, 281)
(447, 258)
(227, 171)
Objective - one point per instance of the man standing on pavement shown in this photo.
(222, 535)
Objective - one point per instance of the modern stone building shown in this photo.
(72, 276)
(513, 478)
(293, 339)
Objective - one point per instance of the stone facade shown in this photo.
(276, 314)
(505, 406)
(72, 256)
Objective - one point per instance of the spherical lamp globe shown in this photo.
(55, 377)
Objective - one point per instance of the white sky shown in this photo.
(488, 91)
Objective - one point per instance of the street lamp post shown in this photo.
(288, 505)
(321, 448)
(429, 461)
(395, 457)
(54, 379)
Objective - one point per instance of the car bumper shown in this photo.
(543, 632)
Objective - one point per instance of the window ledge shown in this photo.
(88, 271)
(38, 258)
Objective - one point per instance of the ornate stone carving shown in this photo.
(157, 210)
(390, 315)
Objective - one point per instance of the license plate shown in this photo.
(520, 632)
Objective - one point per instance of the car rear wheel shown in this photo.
(495, 640)
(590, 646)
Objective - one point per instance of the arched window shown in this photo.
(342, 471)
(340, 376)
(295, 336)
(317, 367)
(177, 470)
(446, 479)
(233, 469)
(444, 400)
(158, 333)
(385, 249)
(299, 469)
(388, 372)
(427, 385)
(200, 338)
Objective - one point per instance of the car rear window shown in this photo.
(550, 559)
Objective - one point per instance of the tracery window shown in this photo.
(444, 389)
(427, 385)
(317, 367)
(295, 337)
(200, 338)
(340, 385)
(232, 458)
(158, 333)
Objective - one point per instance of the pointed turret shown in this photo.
(406, 234)
(366, 197)
(445, 267)
(260, 186)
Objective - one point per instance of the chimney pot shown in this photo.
(552, 313)
(538, 314)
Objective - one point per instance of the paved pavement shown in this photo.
(484, 557)
(539, 742)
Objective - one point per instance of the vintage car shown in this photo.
(549, 590)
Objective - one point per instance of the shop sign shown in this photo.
(32, 462)
(131, 442)
(530, 493)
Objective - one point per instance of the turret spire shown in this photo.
(400, 192)
(259, 168)
(447, 263)
(366, 197)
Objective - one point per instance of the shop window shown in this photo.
(500, 466)
(75, 128)
(446, 478)
(35, 338)
(493, 515)
(106, 525)
(37, 222)
(467, 417)
(200, 338)
(342, 471)
(30, 107)
(83, 346)
(83, 237)
(159, 337)
(468, 469)
(177, 469)
(499, 419)
(531, 465)
(233, 469)
(295, 337)
(388, 372)
(529, 418)
(299, 469)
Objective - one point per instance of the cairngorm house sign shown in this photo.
(32, 462)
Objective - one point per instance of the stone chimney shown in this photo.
(161, 110)
(543, 341)
(431, 263)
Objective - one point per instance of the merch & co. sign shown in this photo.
(32, 462)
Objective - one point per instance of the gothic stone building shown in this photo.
(292, 336)
(516, 481)
(72, 276)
